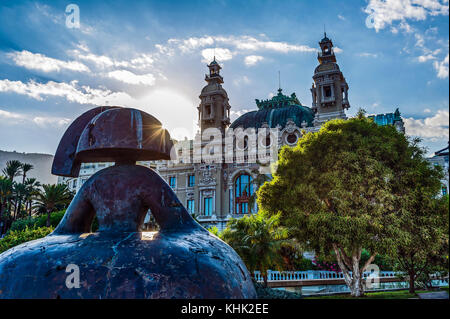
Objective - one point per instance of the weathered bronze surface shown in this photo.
(110, 134)
(182, 260)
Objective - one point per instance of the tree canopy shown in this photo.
(338, 191)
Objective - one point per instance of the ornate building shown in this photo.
(329, 90)
(216, 175)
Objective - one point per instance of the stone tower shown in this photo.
(329, 90)
(214, 109)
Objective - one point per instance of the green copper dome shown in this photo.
(276, 111)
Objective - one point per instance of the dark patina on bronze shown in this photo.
(182, 260)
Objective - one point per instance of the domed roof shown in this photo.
(212, 87)
(276, 111)
(275, 116)
(326, 67)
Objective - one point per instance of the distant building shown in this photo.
(390, 119)
(440, 158)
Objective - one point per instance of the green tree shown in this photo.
(13, 168)
(32, 189)
(6, 189)
(258, 241)
(51, 197)
(20, 191)
(334, 191)
(25, 169)
(423, 247)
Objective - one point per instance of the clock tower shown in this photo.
(330, 89)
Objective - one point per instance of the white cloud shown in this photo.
(240, 43)
(251, 60)
(368, 55)
(131, 78)
(241, 80)
(434, 127)
(50, 121)
(405, 27)
(139, 61)
(221, 54)
(70, 91)
(385, 12)
(235, 114)
(192, 43)
(425, 58)
(341, 17)
(10, 115)
(427, 110)
(101, 61)
(37, 61)
(442, 68)
(12, 118)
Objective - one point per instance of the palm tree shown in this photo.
(20, 191)
(53, 196)
(13, 168)
(5, 195)
(25, 168)
(258, 240)
(32, 186)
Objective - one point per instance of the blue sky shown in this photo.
(152, 55)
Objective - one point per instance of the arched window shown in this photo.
(243, 189)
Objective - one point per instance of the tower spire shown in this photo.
(279, 83)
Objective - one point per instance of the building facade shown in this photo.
(440, 158)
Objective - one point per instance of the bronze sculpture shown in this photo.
(182, 260)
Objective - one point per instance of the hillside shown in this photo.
(42, 164)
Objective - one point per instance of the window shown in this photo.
(208, 206)
(291, 138)
(327, 91)
(242, 143)
(208, 110)
(243, 189)
(191, 180)
(173, 181)
(190, 206)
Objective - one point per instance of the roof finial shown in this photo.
(324, 31)
(279, 82)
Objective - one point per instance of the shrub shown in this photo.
(39, 221)
(17, 237)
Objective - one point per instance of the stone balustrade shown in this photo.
(320, 274)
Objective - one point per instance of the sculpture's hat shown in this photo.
(111, 134)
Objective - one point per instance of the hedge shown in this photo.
(17, 237)
(38, 221)
(41, 221)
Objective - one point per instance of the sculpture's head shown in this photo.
(111, 134)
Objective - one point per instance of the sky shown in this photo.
(152, 55)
